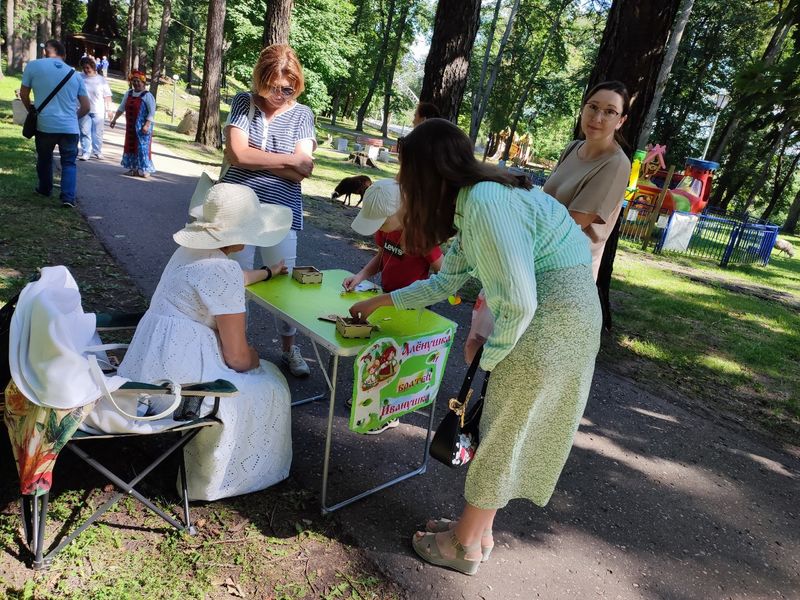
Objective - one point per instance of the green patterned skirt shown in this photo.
(537, 394)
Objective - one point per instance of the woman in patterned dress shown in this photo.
(139, 108)
(535, 267)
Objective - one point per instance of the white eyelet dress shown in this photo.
(177, 340)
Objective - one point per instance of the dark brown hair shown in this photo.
(618, 88)
(88, 60)
(57, 47)
(437, 160)
(426, 110)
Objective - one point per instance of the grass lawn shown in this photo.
(272, 544)
(729, 339)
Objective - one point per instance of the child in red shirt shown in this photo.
(379, 216)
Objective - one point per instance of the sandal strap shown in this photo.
(461, 549)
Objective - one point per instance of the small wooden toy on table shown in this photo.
(307, 275)
(352, 328)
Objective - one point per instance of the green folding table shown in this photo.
(302, 305)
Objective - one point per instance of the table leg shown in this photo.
(329, 434)
(325, 372)
(419, 470)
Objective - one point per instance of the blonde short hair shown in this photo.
(275, 61)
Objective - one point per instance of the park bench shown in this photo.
(371, 145)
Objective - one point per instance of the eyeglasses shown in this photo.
(286, 92)
(606, 114)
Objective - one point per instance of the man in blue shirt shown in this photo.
(57, 124)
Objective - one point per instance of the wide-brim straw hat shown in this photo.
(231, 215)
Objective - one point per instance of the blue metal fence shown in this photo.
(731, 240)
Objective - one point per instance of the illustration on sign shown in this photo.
(396, 376)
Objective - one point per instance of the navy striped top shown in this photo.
(279, 135)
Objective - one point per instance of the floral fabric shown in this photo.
(37, 436)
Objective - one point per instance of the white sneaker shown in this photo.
(84, 156)
(294, 360)
(390, 425)
(98, 156)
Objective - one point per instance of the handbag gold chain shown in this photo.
(460, 408)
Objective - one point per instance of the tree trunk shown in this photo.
(771, 53)
(127, 58)
(532, 79)
(486, 89)
(158, 58)
(208, 126)
(454, 30)
(9, 35)
(631, 51)
(277, 21)
(16, 47)
(137, 24)
(682, 19)
(477, 99)
(56, 19)
(337, 97)
(376, 75)
(790, 226)
(389, 80)
(44, 27)
(729, 173)
(780, 185)
(144, 55)
(189, 62)
(761, 179)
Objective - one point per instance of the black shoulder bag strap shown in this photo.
(54, 92)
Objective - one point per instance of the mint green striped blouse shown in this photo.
(506, 236)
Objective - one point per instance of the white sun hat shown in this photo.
(231, 214)
(381, 201)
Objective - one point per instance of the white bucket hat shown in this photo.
(381, 201)
(231, 215)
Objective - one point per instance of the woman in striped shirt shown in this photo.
(270, 140)
(535, 267)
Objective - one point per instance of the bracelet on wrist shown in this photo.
(269, 272)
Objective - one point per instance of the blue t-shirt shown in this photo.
(60, 115)
(279, 135)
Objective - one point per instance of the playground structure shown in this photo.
(688, 191)
(670, 210)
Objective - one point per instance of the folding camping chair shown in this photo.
(39, 433)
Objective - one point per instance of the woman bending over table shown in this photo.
(535, 267)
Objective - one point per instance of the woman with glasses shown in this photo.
(270, 139)
(139, 107)
(592, 173)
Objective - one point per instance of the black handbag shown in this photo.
(29, 127)
(456, 439)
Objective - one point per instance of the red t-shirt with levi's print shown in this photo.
(399, 269)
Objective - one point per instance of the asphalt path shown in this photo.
(655, 501)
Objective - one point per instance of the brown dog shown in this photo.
(352, 185)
